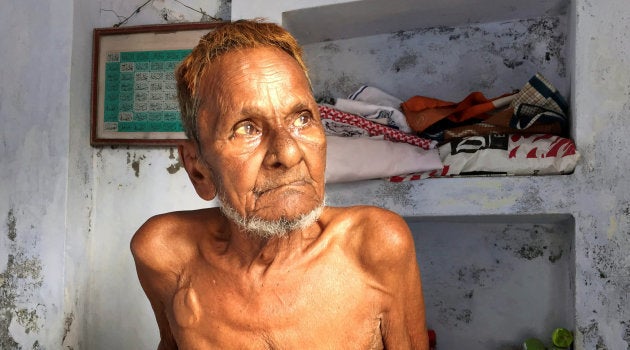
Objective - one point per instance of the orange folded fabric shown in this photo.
(422, 112)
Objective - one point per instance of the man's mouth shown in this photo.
(270, 187)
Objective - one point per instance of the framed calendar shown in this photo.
(134, 93)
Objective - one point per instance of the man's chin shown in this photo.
(266, 228)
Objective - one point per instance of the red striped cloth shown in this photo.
(375, 129)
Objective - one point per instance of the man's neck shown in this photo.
(256, 252)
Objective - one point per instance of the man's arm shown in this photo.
(390, 254)
(155, 276)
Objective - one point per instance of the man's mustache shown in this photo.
(284, 180)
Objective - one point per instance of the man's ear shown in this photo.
(200, 175)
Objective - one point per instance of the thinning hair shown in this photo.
(227, 37)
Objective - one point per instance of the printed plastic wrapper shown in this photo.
(538, 154)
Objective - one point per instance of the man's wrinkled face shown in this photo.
(260, 135)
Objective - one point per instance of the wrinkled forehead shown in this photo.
(236, 76)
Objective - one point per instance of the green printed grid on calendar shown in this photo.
(141, 92)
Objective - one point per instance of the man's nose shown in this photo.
(282, 150)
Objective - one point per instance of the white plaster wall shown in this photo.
(36, 49)
(272, 10)
(445, 62)
(131, 184)
(491, 282)
(80, 198)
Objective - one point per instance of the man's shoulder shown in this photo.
(378, 235)
(373, 220)
(363, 213)
(173, 235)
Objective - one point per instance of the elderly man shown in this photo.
(273, 267)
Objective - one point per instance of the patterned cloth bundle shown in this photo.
(519, 133)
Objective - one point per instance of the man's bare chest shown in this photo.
(319, 307)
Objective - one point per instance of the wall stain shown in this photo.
(331, 47)
(530, 251)
(452, 316)
(438, 30)
(470, 275)
(344, 83)
(530, 200)
(28, 319)
(404, 35)
(400, 193)
(224, 11)
(542, 29)
(553, 257)
(626, 331)
(469, 294)
(608, 259)
(172, 16)
(464, 315)
(512, 63)
(532, 244)
(67, 325)
(592, 338)
(405, 62)
(19, 283)
(173, 168)
(11, 222)
(135, 162)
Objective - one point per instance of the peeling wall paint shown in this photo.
(20, 283)
(173, 168)
(134, 162)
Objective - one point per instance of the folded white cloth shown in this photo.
(375, 96)
(354, 159)
(375, 105)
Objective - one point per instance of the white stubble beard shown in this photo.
(266, 229)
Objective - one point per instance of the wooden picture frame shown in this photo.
(133, 86)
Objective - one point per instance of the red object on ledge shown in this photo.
(432, 339)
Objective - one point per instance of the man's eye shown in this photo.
(302, 120)
(246, 129)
